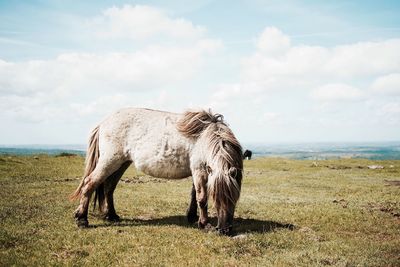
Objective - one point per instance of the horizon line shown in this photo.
(244, 142)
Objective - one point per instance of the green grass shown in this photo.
(291, 213)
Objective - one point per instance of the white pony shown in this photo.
(165, 145)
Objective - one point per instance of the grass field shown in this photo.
(291, 213)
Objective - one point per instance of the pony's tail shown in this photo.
(92, 156)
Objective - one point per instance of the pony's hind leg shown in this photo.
(191, 212)
(104, 168)
(109, 186)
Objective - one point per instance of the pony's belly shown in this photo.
(176, 167)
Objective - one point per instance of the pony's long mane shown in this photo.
(193, 123)
(223, 150)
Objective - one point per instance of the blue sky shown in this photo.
(280, 71)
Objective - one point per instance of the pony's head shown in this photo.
(224, 166)
(223, 158)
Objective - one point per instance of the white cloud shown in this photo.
(85, 84)
(391, 108)
(229, 96)
(141, 22)
(327, 74)
(102, 105)
(272, 41)
(337, 92)
(275, 57)
(283, 85)
(163, 100)
(388, 84)
(390, 112)
(365, 58)
(30, 109)
(143, 69)
(271, 117)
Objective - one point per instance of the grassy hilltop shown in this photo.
(291, 213)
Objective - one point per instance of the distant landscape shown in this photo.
(314, 151)
(374, 151)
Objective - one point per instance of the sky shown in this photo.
(279, 71)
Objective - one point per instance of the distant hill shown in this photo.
(42, 149)
(384, 150)
(376, 151)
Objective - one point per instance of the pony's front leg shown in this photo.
(191, 212)
(200, 183)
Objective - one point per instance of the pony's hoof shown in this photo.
(112, 218)
(208, 228)
(82, 223)
(204, 225)
(225, 231)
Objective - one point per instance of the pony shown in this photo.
(247, 154)
(165, 145)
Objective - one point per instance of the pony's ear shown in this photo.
(232, 172)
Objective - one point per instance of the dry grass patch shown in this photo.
(291, 213)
